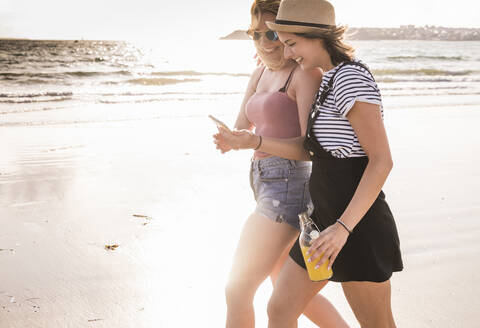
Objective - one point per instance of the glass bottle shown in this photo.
(310, 232)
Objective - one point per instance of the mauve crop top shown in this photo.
(273, 114)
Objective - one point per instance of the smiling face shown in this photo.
(308, 53)
(270, 52)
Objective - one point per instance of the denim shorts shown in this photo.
(280, 187)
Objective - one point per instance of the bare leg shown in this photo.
(370, 301)
(292, 293)
(320, 311)
(261, 243)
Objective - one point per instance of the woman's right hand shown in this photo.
(259, 60)
(236, 139)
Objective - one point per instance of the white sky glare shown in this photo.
(195, 19)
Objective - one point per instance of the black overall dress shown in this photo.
(372, 251)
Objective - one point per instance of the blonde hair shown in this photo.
(333, 41)
(259, 8)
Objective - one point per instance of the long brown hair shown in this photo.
(333, 41)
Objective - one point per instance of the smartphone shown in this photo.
(219, 123)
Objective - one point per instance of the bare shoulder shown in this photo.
(258, 71)
(254, 77)
(308, 77)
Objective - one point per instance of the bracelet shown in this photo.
(259, 144)
(345, 226)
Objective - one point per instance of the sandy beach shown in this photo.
(174, 206)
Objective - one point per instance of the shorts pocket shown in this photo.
(274, 175)
(297, 194)
(273, 186)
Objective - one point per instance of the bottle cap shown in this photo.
(314, 234)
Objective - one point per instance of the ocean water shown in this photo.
(63, 82)
(74, 171)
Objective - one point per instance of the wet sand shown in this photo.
(66, 191)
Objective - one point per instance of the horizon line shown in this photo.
(12, 38)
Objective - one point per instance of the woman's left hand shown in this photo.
(329, 243)
(236, 139)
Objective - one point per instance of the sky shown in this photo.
(195, 19)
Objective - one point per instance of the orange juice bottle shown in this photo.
(310, 232)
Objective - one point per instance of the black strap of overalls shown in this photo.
(325, 92)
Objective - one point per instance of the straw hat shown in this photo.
(303, 16)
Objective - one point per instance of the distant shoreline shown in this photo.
(405, 32)
(59, 40)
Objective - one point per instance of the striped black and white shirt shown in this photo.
(332, 128)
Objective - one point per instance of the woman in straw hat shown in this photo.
(276, 103)
(347, 144)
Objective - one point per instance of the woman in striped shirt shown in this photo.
(347, 144)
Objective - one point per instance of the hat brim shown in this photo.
(293, 28)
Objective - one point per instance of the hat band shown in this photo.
(286, 22)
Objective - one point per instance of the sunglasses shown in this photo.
(270, 35)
